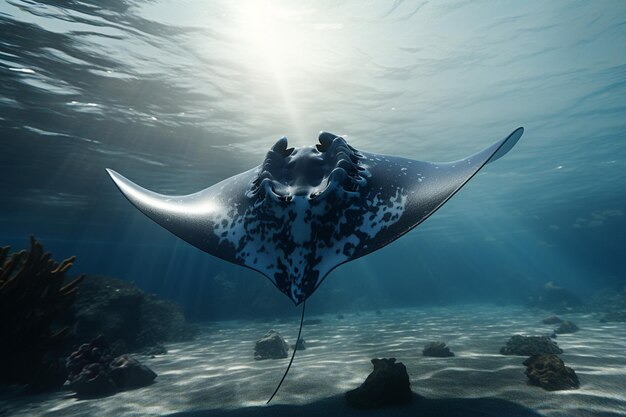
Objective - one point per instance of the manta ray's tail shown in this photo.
(295, 348)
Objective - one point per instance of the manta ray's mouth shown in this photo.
(312, 172)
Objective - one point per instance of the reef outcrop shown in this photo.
(437, 350)
(93, 370)
(271, 346)
(387, 385)
(550, 373)
(33, 299)
(530, 345)
(123, 313)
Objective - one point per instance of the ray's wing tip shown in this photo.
(514, 137)
(117, 178)
(114, 175)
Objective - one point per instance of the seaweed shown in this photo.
(33, 298)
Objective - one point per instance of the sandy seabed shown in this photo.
(216, 374)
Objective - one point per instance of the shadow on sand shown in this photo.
(419, 407)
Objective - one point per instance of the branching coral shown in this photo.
(32, 299)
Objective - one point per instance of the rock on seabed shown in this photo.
(387, 385)
(271, 346)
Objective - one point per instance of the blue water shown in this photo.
(178, 95)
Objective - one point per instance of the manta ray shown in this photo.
(305, 211)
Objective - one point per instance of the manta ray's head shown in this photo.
(311, 171)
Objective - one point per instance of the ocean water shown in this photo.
(179, 95)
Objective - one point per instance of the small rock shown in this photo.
(340, 317)
(567, 327)
(388, 384)
(128, 373)
(552, 320)
(271, 346)
(550, 373)
(437, 350)
(301, 345)
(530, 345)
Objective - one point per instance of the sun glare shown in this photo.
(274, 40)
(275, 34)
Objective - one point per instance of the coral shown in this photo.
(529, 345)
(550, 373)
(437, 350)
(32, 299)
(94, 372)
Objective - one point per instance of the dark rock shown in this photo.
(530, 345)
(550, 373)
(121, 311)
(93, 372)
(311, 322)
(88, 369)
(271, 346)
(615, 316)
(340, 316)
(437, 350)
(388, 384)
(128, 373)
(301, 345)
(552, 320)
(566, 327)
